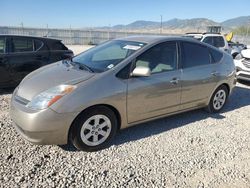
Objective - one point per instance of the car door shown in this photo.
(199, 75)
(159, 93)
(4, 69)
(23, 57)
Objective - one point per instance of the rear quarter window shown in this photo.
(58, 46)
(38, 44)
(216, 56)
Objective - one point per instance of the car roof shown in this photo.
(28, 36)
(151, 39)
(203, 34)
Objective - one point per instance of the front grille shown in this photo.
(244, 75)
(246, 63)
(21, 100)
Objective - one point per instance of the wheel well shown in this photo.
(227, 86)
(117, 114)
(234, 54)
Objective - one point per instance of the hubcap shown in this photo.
(95, 130)
(219, 99)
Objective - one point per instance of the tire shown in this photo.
(218, 99)
(93, 129)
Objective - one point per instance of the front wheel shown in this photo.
(218, 99)
(93, 129)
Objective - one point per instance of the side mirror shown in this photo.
(141, 71)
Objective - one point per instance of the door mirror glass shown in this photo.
(141, 71)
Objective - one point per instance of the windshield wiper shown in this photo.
(66, 63)
(82, 66)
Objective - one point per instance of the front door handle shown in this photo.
(174, 81)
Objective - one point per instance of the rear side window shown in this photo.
(22, 45)
(219, 42)
(216, 55)
(58, 46)
(38, 44)
(2, 45)
(194, 55)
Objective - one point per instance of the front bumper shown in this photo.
(242, 70)
(41, 127)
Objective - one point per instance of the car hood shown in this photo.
(50, 76)
(246, 53)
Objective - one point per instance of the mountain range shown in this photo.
(186, 25)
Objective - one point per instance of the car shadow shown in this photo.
(244, 82)
(6, 91)
(238, 99)
(144, 130)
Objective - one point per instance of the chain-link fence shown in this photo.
(86, 36)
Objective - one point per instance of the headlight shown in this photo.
(49, 97)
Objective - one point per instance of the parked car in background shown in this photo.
(215, 39)
(236, 48)
(242, 63)
(118, 84)
(20, 55)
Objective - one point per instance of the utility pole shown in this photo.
(47, 30)
(109, 32)
(22, 27)
(70, 31)
(161, 26)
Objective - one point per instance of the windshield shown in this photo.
(107, 55)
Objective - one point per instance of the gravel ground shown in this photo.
(193, 149)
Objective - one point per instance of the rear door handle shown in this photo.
(214, 73)
(174, 81)
(39, 57)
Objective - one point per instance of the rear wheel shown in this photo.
(218, 99)
(94, 129)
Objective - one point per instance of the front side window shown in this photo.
(107, 55)
(219, 42)
(160, 58)
(194, 55)
(2, 44)
(22, 45)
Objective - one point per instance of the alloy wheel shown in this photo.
(219, 99)
(95, 130)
